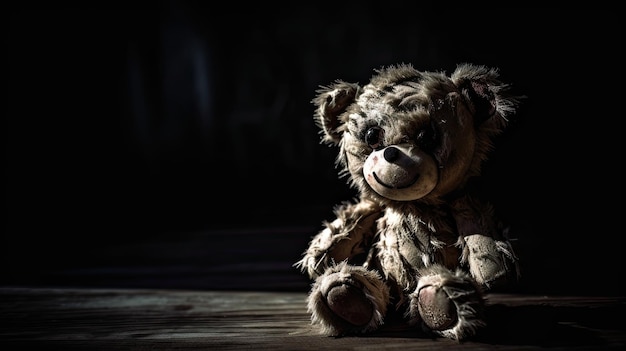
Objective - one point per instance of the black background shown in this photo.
(125, 125)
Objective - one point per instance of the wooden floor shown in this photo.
(238, 290)
(154, 319)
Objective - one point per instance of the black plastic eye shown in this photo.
(427, 138)
(374, 137)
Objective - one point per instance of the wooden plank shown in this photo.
(138, 319)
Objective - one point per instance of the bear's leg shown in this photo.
(450, 304)
(348, 299)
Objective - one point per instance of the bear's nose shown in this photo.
(391, 154)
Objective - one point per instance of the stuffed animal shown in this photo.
(418, 242)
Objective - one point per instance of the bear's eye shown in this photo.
(427, 138)
(374, 137)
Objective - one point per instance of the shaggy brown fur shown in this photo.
(417, 240)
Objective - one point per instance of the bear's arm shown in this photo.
(486, 250)
(347, 238)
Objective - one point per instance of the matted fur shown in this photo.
(463, 292)
(373, 287)
(411, 142)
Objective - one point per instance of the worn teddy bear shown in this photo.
(417, 243)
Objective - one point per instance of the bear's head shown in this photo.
(410, 135)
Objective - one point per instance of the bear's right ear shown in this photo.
(331, 102)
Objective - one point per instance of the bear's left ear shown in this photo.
(485, 93)
(331, 102)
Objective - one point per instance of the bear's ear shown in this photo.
(486, 94)
(331, 102)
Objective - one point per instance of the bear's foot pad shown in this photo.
(350, 303)
(436, 308)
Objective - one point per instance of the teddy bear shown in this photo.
(418, 244)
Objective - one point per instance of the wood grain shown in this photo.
(141, 319)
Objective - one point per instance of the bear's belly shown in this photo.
(403, 254)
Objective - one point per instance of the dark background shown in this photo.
(144, 145)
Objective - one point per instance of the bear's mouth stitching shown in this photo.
(397, 187)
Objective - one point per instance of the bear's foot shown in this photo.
(437, 310)
(350, 303)
(348, 300)
(448, 304)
